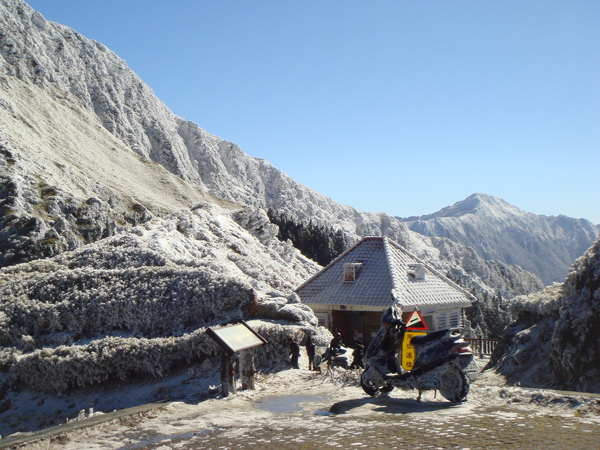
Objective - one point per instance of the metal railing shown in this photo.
(482, 346)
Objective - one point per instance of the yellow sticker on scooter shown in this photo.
(408, 353)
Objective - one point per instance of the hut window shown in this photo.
(456, 319)
(442, 321)
(449, 319)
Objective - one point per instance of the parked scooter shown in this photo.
(340, 357)
(443, 361)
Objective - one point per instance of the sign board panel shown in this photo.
(234, 338)
(408, 352)
(415, 322)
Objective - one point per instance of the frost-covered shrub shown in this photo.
(128, 305)
(276, 354)
(280, 308)
(543, 303)
(575, 358)
(8, 356)
(553, 342)
(164, 282)
(122, 252)
(152, 301)
(58, 369)
(64, 367)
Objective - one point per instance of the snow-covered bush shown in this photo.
(137, 304)
(151, 301)
(58, 369)
(276, 354)
(64, 367)
(279, 308)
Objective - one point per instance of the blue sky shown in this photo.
(401, 107)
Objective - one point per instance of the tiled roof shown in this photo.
(385, 270)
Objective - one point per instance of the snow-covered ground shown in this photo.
(295, 399)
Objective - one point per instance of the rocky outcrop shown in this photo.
(553, 342)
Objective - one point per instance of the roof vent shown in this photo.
(351, 271)
(416, 271)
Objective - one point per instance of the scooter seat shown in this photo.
(421, 340)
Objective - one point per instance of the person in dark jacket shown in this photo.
(357, 355)
(336, 344)
(294, 352)
(310, 351)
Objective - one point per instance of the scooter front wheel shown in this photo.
(371, 388)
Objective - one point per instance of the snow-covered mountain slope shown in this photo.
(546, 246)
(85, 75)
(88, 151)
(65, 181)
(553, 343)
(68, 79)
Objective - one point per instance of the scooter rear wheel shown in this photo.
(455, 385)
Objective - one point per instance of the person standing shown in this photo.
(294, 352)
(357, 354)
(310, 351)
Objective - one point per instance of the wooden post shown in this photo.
(227, 374)
(247, 370)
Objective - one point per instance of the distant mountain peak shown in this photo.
(484, 203)
(477, 204)
(497, 230)
(485, 199)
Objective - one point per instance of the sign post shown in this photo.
(248, 370)
(415, 326)
(236, 338)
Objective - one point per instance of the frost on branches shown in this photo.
(139, 303)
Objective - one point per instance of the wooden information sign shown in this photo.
(232, 339)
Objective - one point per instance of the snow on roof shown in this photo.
(387, 271)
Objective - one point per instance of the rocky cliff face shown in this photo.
(553, 343)
(546, 246)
